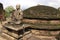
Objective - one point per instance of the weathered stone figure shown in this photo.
(17, 15)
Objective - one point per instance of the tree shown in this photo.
(59, 8)
(8, 10)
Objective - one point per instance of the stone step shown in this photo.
(4, 30)
(15, 27)
(7, 37)
(45, 32)
(46, 37)
(13, 34)
(36, 37)
(1, 38)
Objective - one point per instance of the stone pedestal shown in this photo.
(12, 32)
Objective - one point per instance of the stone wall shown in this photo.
(42, 35)
(34, 21)
(45, 35)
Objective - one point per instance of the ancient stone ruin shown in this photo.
(36, 23)
(44, 22)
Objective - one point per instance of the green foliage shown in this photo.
(8, 10)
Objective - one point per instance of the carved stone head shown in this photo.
(17, 6)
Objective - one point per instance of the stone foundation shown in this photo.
(45, 35)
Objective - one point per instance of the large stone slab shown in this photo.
(15, 27)
(45, 32)
(15, 34)
(7, 37)
(37, 37)
(11, 33)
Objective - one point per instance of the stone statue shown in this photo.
(17, 15)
